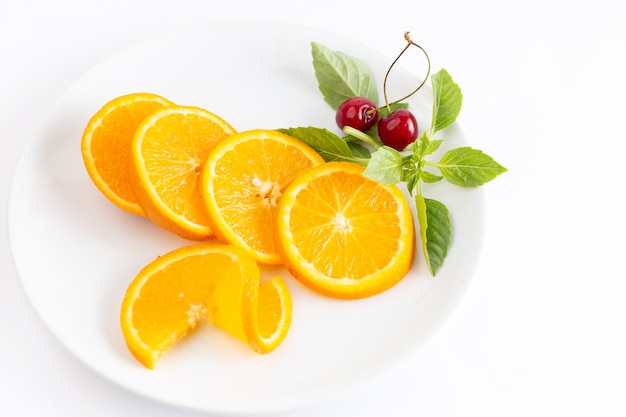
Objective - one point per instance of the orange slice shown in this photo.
(344, 235)
(106, 141)
(217, 282)
(168, 152)
(243, 180)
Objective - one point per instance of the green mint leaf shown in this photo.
(359, 151)
(467, 167)
(341, 76)
(330, 146)
(435, 231)
(447, 100)
(429, 177)
(433, 146)
(412, 179)
(419, 147)
(385, 166)
(414, 161)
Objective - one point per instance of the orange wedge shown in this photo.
(217, 282)
(106, 141)
(344, 235)
(168, 152)
(243, 180)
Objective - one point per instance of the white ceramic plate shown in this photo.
(76, 253)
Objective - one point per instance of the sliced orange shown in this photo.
(344, 235)
(168, 151)
(217, 282)
(106, 141)
(243, 180)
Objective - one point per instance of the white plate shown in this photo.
(76, 253)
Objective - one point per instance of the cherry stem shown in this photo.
(407, 37)
(362, 136)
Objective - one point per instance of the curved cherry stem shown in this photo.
(362, 136)
(410, 43)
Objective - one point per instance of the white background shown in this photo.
(543, 329)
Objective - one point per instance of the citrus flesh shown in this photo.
(106, 145)
(344, 235)
(216, 282)
(168, 151)
(243, 181)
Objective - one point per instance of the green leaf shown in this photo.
(433, 146)
(412, 179)
(429, 177)
(467, 167)
(419, 147)
(385, 166)
(359, 151)
(341, 76)
(447, 100)
(435, 231)
(330, 146)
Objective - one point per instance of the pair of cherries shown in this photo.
(399, 128)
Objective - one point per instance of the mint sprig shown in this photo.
(464, 167)
(341, 77)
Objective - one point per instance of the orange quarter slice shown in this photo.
(216, 282)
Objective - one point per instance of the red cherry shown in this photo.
(398, 130)
(357, 112)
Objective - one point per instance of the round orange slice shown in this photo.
(168, 151)
(345, 235)
(216, 282)
(243, 180)
(105, 145)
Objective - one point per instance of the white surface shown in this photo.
(92, 250)
(542, 331)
